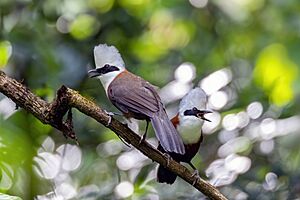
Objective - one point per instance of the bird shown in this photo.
(188, 122)
(134, 97)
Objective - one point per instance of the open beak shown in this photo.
(94, 73)
(201, 114)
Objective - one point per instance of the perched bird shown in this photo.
(188, 123)
(134, 97)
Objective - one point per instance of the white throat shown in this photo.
(189, 128)
(107, 78)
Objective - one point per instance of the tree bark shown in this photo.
(52, 114)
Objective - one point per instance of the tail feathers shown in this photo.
(166, 133)
(165, 176)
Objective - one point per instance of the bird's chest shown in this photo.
(190, 131)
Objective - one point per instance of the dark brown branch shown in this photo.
(52, 114)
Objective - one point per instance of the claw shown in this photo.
(109, 113)
(142, 139)
(197, 177)
(168, 157)
(145, 134)
(109, 121)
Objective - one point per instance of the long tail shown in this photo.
(166, 133)
(165, 176)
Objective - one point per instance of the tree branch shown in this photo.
(52, 114)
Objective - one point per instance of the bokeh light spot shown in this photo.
(255, 110)
(218, 100)
(276, 73)
(102, 6)
(84, 26)
(71, 155)
(198, 3)
(63, 25)
(124, 189)
(185, 73)
(267, 127)
(271, 181)
(239, 164)
(230, 122)
(215, 81)
(267, 146)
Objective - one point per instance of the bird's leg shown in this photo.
(168, 157)
(110, 114)
(195, 174)
(145, 134)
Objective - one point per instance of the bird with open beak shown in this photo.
(134, 97)
(188, 123)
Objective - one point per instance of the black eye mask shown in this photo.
(197, 113)
(103, 70)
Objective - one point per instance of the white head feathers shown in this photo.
(195, 98)
(108, 55)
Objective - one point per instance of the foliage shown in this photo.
(243, 53)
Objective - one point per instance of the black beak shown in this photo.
(201, 114)
(94, 73)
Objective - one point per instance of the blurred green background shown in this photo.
(243, 53)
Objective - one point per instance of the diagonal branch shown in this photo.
(52, 114)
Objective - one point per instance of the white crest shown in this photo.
(195, 98)
(108, 55)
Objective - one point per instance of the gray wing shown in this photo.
(138, 99)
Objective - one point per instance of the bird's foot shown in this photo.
(143, 138)
(109, 120)
(168, 157)
(197, 177)
(112, 113)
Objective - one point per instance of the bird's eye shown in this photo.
(195, 109)
(106, 65)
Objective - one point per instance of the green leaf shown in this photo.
(5, 52)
